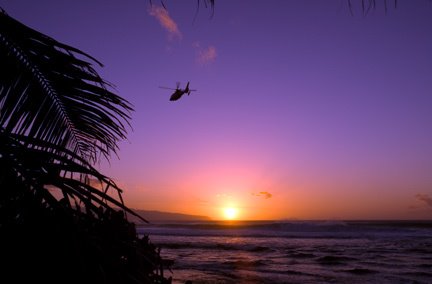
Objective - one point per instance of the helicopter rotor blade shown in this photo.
(166, 88)
(178, 85)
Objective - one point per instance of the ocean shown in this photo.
(296, 251)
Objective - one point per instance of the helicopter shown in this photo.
(178, 92)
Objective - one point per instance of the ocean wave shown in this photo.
(216, 246)
(297, 229)
(301, 255)
(298, 252)
(335, 260)
(245, 263)
(360, 271)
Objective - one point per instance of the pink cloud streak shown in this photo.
(205, 55)
(166, 21)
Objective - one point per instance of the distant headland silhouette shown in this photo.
(157, 216)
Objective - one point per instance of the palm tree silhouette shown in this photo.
(59, 219)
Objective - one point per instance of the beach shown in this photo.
(296, 251)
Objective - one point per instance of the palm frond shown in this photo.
(77, 231)
(52, 172)
(367, 5)
(50, 91)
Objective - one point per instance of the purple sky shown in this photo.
(329, 113)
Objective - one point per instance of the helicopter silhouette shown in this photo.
(178, 92)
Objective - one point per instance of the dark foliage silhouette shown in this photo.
(61, 221)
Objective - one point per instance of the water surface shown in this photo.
(297, 252)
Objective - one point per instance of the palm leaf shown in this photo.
(64, 236)
(41, 165)
(57, 115)
(50, 91)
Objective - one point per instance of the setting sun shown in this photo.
(230, 213)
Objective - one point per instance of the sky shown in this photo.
(301, 110)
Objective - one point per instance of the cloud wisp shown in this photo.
(425, 198)
(166, 21)
(205, 55)
(264, 194)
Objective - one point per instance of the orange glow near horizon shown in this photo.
(230, 213)
(242, 196)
